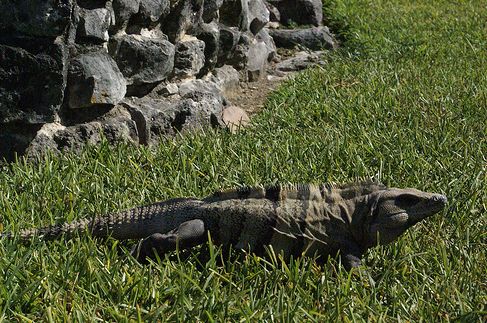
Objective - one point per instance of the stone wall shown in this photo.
(76, 71)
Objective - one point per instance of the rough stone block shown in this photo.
(93, 25)
(195, 88)
(303, 12)
(166, 89)
(143, 60)
(246, 15)
(152, 10)
(198, 111)
(74, 138)
(315, 38)
(235, 13)
(210, 10)
(257, 61)
(239, 57)
(201, 104)
(153, 117)
(45, 18)
(124, 10)
(210, 34)
(185, 18)
(189, 57)
(227, 78)
(300, 61)
(265, 37)
(229, 38)
(32, 80)
(274, 14)
(44, 140)
(95, 79)
(258, 16)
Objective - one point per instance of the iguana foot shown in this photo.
(187, 235)
(350, 261)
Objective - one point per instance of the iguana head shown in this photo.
(395, 210)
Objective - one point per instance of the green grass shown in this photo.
(406, 98)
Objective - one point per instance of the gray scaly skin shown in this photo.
(322, 220)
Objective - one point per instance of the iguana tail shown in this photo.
(51, 232)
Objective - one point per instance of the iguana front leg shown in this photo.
(351, 256)
(350, 261)
(187, 235)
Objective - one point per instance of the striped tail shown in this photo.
(53, 232)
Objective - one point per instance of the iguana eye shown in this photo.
(407, 200)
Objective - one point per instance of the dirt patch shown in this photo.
(252, 96)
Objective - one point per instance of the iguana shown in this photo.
(322, 220)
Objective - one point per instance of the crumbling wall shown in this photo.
(75, 71)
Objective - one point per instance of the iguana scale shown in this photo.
(323, 220)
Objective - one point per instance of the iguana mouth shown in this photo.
(435, 204)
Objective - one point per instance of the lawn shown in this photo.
(405, 99)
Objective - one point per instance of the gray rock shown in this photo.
(120, 130)
(226, 78)
(235, 13)
(93, 25)
(257, 61)
(46, 18)
(246, 15)
(303, 12)
(32, 80)
(153, 117)
(142, 60)
(189, 58)
(315, 38)
(197, 112)
(44, 140)
(150, 14)
(194, 89)
(184, 18)
(76, 137)
(156, 117)
(273, 25)
(250, 55)
(274, 14)
(123, 10)
(210, 10)
(258, 16)
(300, 61)
(15, 138)
(202, 103)
(265, 37)
(239, 57)
(153, 10)
(229, 38)
(210, 34)
(54, 137)
(94, 79)
(116, 130)
(166, 89)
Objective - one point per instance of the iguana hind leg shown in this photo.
(187, 235)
